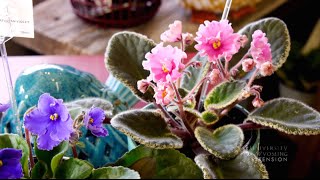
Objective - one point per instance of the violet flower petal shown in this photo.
(37, 122)
(45, 142)
(98, 131)
(4, 107)
(11, 167)
(98, 115)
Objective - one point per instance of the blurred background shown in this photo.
(83, 27)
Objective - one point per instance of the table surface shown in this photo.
(59, 31)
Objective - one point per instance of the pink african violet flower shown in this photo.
(260, 48)
(188, 38)
(216, 40)
(164, 94)
(248, 64)
(257, 102)
(173, 34)
(266, 69)
(164, 63)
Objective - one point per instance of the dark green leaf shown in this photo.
(224, 94)
(16, 142)
(114, 173)
(52, 158)
(245, 166)
(225, 142)
(124, 56)
(188, 82)
(287, 115)
(160, 164)
(146, 127)
(39, 171)
(74, 169)
(278, 37)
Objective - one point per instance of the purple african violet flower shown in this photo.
(4, 107)
(51, 121)
(93, 121)
(10, 166)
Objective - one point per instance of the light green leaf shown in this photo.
(188, 82)
(224, 94)
(16, 142)
(52, 158)
(74, 169)
(160, 164)
(114, 173)
(224, 143)
(146, 127)
(124, 56)
(245, 166)
(278, 37)
(287, 115)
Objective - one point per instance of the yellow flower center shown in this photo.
(164, 68)
(216, 44)
(164, 94)
(1, 163)
(54, 117)
(91, 120)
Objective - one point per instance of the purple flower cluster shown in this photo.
(10, 166)
(93, 121)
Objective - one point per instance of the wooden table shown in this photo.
(59, 31)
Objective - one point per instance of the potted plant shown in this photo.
(185, 131)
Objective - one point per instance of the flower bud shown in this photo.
(143, 85)
(188, 38)
(214, 76)
(243, 40)
(248, 64)
(257, 102)
(266, 69)
(197, 64)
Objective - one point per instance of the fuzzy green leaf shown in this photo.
(52, 158)
(114, 173)
(160, 164)
(188, 82)
(146, 127)
(287, 115)
(74, 169)
(16, 142)
(224, 143)
(209, 118)
(278, 37)
(124, 56)
(224, 94)
(245, 166)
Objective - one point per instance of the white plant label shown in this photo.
(16, 18)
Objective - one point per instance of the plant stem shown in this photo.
(30, 147)
(194, 89)
(235, 67)
(251, 126)
(220, 66)
(181, 110)
(166, 113)
(226, 67)
(252, 78)
(74, 152)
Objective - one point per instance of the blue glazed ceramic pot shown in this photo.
(67, 83)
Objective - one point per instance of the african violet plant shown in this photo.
(185, 131)
(56, 127)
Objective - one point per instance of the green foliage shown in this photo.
(51, 158)
(146, 127)
(124, 56)
(288, 116)
(73, 169)
(245, 166)
(160, 164)
(224, 94)
(16, 142)
(224, 142)
(209, 118)
(114, 173)
(39, 171)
